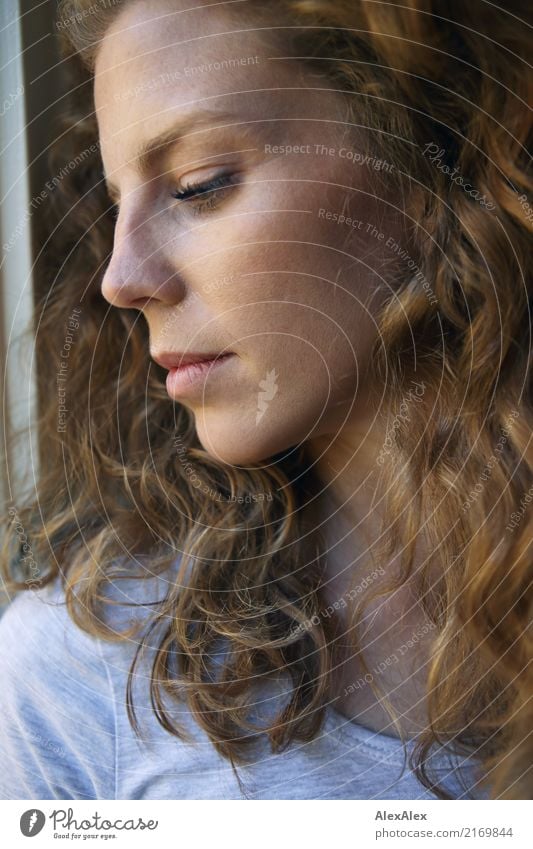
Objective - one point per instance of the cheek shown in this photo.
(294, 380)
(302, 306)
(303, 353)
(284, 243)
(304, 333)
(296, 292)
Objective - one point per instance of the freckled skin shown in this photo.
(258, 268)
(261, 272)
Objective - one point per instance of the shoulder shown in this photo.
(55, 702)
(44, 650)
(37, 625)
(62, 691)
(34, 626)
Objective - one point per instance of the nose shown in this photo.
(139, 270)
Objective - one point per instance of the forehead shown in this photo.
(162, 60)
(158, 56)
(149, 31)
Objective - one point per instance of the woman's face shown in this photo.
(261, 264)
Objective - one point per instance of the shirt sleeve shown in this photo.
(57, 715)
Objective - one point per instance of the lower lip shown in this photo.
(184, 378)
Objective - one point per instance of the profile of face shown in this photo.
(248, 224)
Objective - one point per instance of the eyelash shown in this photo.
(194, 193)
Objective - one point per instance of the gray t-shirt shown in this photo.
(65, 733)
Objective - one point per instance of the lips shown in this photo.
(173, 359)
(189, 379)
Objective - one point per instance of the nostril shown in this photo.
(139, 303)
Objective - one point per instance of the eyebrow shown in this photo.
(156, 148)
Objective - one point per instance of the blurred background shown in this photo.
(30, 105)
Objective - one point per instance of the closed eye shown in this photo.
(206, 196)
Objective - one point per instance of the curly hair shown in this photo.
(113, 489)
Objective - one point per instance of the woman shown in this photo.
(299, 569)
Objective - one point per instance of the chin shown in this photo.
(237, 441)
(240, 435)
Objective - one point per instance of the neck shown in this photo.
(347, 515)
(346, 511)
